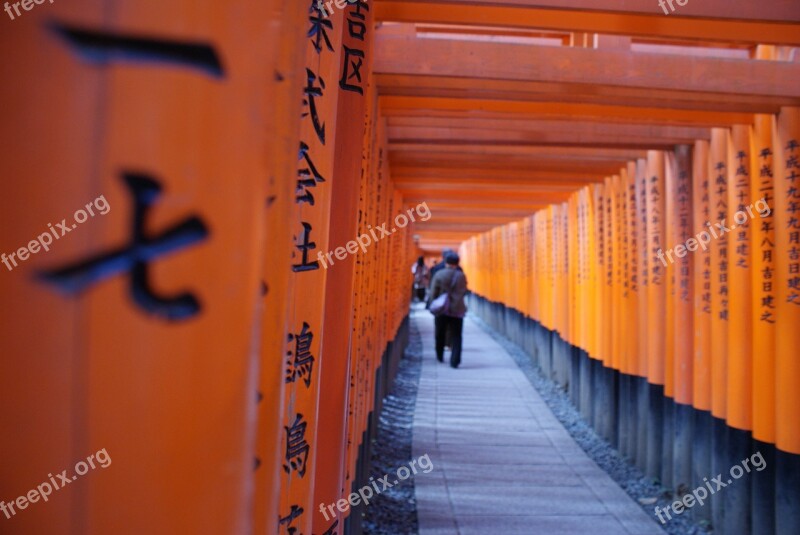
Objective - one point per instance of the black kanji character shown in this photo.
(319, 26)
(297, 448)
(303, 364)
(311, 92)
(306, 177)
(305, 246)
(294, 513)
(137, 255)
(352, 69)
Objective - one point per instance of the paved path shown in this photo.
(502, 462)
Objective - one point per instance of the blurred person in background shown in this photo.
(422, 278)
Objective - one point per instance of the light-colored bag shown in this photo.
(440, 305)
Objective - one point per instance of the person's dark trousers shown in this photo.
(440, 322)
(455, 326)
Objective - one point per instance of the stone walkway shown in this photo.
(503, 464)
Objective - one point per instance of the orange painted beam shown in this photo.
(466, 227)
(529, 110)
(480, 216)
(742, 10)
(471, 218)
(547, 152)
(480, 190)
(580, 72)
(486, 184)
(403, 170)
(592, 20)
(545, 131)
(561, 125)
(576, 139)
(458, 207)
(482, 107)
(466, 86)
(470, 164)
(433, 197)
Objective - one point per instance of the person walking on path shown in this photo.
(436, 268)
(422, 278)
(450, 324)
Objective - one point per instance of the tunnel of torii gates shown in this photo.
(202, 335)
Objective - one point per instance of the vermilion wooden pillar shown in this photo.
(670, 270)
(643, 278)
(718, 200)
(683, 225)
(594, 271)
(608, 273)
(158, 362)
(670, 241)
(740, 368)
(655, 197)
(632, 312)
(350, 164)
(701, 317)
(701, 376)
(309, 224)
(719, 246)
(279, 204)
(43, 378)
(763, 256)
(740, 223)
(787, 297)
(763, 318)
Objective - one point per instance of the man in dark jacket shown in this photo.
(437, 268)
(452, 281)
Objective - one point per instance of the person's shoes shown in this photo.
(453, 365)
(440, 359)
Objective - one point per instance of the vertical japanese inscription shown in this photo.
(683, 201)
(655, 222)
(721, 185)
(705, 295)
(313, 182)
(742, 195)
(642, 187)
(634, 236)
(353, 57)
(766, 235)
(792, 223)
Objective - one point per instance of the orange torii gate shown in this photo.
(685, 191)
(215, 326)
